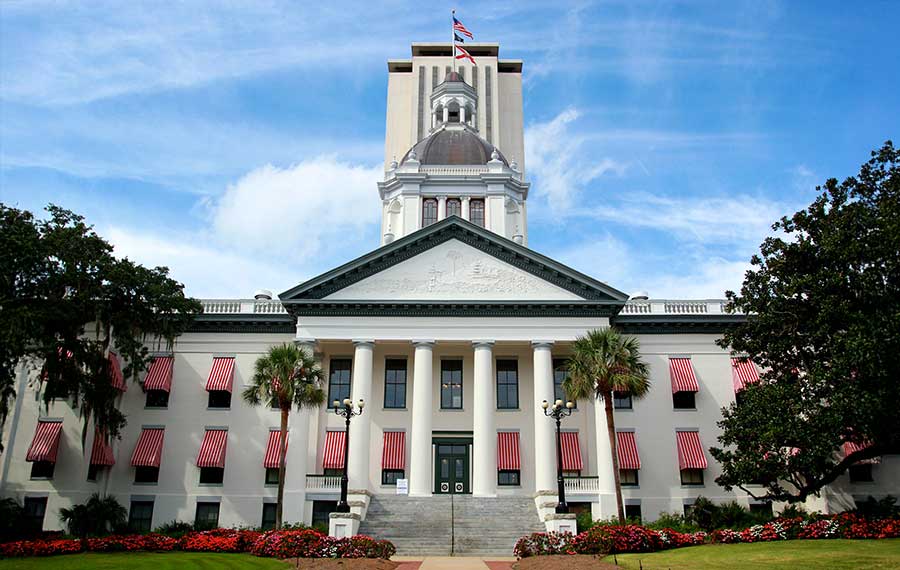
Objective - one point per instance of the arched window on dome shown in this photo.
(454, 207)
(476, 212)
(429, 211)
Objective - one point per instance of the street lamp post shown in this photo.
(346, 410)
(558, 411)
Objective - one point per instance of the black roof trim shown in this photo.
(676, 324)
(224, 323)
(318, 308)
(453, 227)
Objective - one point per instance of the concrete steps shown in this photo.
(445, 525)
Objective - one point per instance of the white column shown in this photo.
(442, 207)
(484, 434)
(605, 478)
(544, 438)
(446, 114)
(420, 464)
(360, 426)
(462, 114)
(465, 207)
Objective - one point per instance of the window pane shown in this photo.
(339, 380)
(507, 384)
(140, 516)
(684, 401)
(271, 476)
(268, 516)
(429, 211)
(560, 373)
(622, 400)
(219, 399)
(207, 516)
(476, 212)
(454, 208)
(395, 383)
(451, 384)
(157, 399)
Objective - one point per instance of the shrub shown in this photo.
(219, 540)
(672, 521)
(97, 516)
(545, 543)
(872, 508)
(175, 529)
(309, 543)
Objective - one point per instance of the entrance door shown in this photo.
(451, 468)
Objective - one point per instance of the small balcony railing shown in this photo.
(581, 485)
(323, 483)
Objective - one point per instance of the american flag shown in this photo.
(458, 27)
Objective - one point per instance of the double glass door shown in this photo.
(451, 468)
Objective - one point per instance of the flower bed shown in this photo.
(277, 544)
(611, 539)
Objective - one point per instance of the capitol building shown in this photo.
(453, 331)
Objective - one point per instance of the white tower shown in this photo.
(452, 169)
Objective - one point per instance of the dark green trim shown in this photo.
(274, 324)
(449, 228)
(316, 308)
(448, 440)
(676, 324)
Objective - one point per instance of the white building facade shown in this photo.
(453, 331)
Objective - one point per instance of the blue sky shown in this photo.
(239, 143)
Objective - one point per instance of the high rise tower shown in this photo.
(454, 143)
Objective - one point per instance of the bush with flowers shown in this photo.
(309, 543)
(219, 540)
(604, 539)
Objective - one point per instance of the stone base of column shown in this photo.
(343, 525)
(561, 523)
(545, 502)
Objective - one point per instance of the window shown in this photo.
(476, 212)
(42, 469)
(687, 510)
(761, 508)
(622, 400)
(271, 476)
(429, 211)
(207, 516)
(390, 476)
(333, 472)
(861, 473)
(146, 474)
(633, 513)
(560, 373)
(322, 511)
(507, 385)
(395, 383)
(508, 477)
(451, 385)
(684, 400)
(219, 399)
(628, 477)
(268, 516)
(93, 471)
(140, 516)
(454, 208)
(33, 510)
(157, 399)
(212, 475)
(692, 476)
(571, 473)
(339, 380)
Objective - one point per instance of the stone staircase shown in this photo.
(445, 525)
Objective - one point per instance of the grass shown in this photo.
(145, 561)
(788, 555)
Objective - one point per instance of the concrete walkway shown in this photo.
(454, 563)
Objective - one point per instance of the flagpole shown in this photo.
(453, 39)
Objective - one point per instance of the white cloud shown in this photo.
(552, 153)
(297, 212)
(603, 257)
(707, 278)
(206, 270)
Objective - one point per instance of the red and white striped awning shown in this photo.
(45, 444)
(212, 450)
(851, 447)
(148, 451)
(221, 375)
(508, 450)
(101, 451)
(334, 450)
(159, 377)
(682, 373)
(273, 450)
(115, 372)
(571, 451)
(627, 451)
(690, 450)
(743, 372)
(393, 455)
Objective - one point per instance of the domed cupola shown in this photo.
(454, 144)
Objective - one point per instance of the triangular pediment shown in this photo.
(453, 261)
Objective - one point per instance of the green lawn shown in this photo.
(788, 555)
(145, 561)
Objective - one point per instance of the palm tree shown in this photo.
(602, 363)
(98, 516)
(287, 376)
